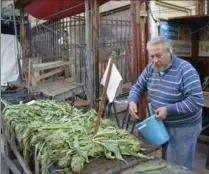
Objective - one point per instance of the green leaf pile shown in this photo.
(63, 135)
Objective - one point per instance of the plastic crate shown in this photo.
(21, 96)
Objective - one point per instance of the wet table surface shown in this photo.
(169, 168)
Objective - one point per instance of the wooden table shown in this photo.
(104, 166)
(169, 168)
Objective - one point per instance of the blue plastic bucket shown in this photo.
(153, 130)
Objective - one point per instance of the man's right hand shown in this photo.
(133, 110)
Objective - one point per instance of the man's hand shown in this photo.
(133, 110)
(161, 113)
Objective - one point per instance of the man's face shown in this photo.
(159, 57)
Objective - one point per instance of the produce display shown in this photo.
(62, 135)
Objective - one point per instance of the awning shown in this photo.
(57, 9)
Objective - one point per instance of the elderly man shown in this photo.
(175, 94)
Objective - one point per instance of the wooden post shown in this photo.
(143, 55)
(22, 33)
(134, 43)
(20, 158)
(89, 61)
(95, 49)
(199, 7)
(104, 95)
(29, 75)
(141, 15)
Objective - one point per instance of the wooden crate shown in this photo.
(41, 71)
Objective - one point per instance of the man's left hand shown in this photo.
(161, 113)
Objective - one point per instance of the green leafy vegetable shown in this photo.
(63, 135)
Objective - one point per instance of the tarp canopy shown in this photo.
(55, 10)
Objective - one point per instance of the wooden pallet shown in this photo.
(61, 89)
(42, 71)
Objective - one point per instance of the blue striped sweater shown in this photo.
(179, 89)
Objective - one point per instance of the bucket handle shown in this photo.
(143, 126)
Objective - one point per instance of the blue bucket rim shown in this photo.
(144, 121)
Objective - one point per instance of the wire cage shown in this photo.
(66, 39)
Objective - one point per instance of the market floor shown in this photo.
(201, 155)
(4, 168)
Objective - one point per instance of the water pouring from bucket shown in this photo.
(153, 130)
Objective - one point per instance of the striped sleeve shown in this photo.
(139, 87)
(192, 91)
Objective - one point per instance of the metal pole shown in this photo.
(88, 54)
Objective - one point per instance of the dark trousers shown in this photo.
(164, 150)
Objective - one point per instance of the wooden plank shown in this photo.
(48, 74)
(79, 103)
(50, 65)
(60, 90)
(29, 76)
(169, 167)
(70, 80)
(72, 70)
(57, 88)
(105, 166)
(67, 71)
(20, 158)
(33, 82)
(10, 164)
(22, 32)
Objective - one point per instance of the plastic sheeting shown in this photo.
(9, 59)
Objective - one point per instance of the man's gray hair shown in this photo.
(160, 40)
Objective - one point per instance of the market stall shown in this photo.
(52, 137)
(190, 41)
(48, 134)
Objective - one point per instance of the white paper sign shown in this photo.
(182, 48)
(204, 48)
(114, 82)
